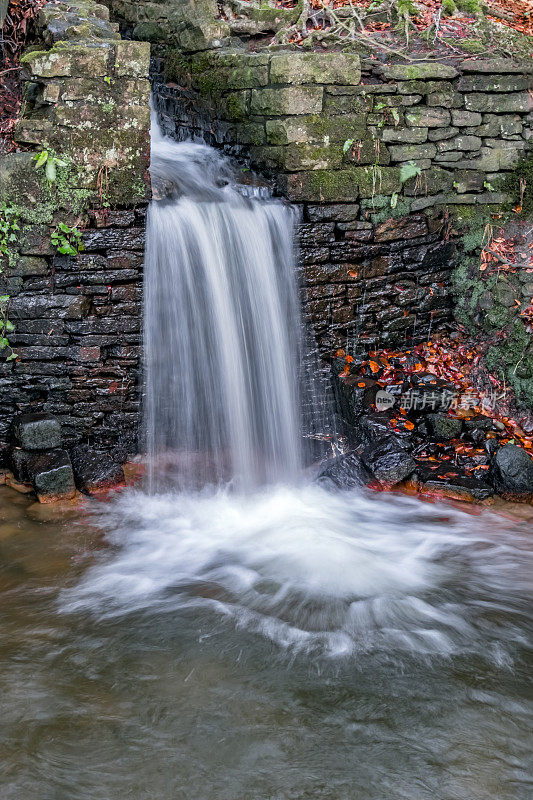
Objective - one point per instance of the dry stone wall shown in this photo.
(75, 302)
(383, 160)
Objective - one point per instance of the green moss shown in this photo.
(448, 8)
(522, 176)
(468, 6)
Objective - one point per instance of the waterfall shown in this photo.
(223, 334)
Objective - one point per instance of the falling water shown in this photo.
(222, 326)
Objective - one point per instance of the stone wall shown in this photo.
(71, 264)
(383, 160)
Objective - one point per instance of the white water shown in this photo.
(315, 571)
(307, 569)
(222, 327)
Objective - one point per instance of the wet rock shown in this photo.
(52, 476)
(375, 427)
(479, 423)
(512, 473)
(462, 488)
(353, 395)
(443, 427)
(343, 472)
(95, 471)
(19, 464)
(388, 462)
(37, 432)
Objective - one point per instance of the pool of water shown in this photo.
(285, 645)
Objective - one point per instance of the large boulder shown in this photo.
(387, 461)
(512, 473)
(37, 432)
(343, 472)
(94, 471)
(52, 476)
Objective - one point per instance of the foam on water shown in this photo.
(313, 571)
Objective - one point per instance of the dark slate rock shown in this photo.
(459, 488)
(343, 472)
(19, 463)
(512, 473)
(388, 462)
(94, 471)
(373, 428)
(479, 423)
(443, 427)
(52, 476)
(37, 432)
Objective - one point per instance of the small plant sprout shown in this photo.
(67, 240)
(409, 170)
(50, 162)
(6, 327)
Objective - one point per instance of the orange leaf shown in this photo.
(409, 425)
(340, 353)
(374, 366)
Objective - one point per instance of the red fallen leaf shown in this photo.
(340, 353)
(352, 273)
(113, 387)
(374, 366)
(361, 384)
(349, 359)
(409, 425)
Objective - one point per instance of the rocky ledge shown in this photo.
(406, 427)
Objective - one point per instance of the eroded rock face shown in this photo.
(512, 473)
(94, 471)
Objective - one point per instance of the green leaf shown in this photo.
(11, 357)
(41, 158)
(50, 170)
(4, 298)
(409, 170)
(394, 200)
(347, 144)
(64, 228)
(9, 326)
(3, 342)
(396, 116)
(59, 162)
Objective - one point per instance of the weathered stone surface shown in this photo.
(287, 100)
(95, 471)
(405, 135)
(315, 129)
(462, 118)
(412, 152)
(37, 432)
(428, 117)
(512, 473)
(494, 83)
(421, 71)
(505, 103)
(52, 476)
(460, 143)
(297, 68)
(493, 66)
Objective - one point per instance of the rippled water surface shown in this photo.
(293, 644)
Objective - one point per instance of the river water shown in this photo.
(288, 644)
